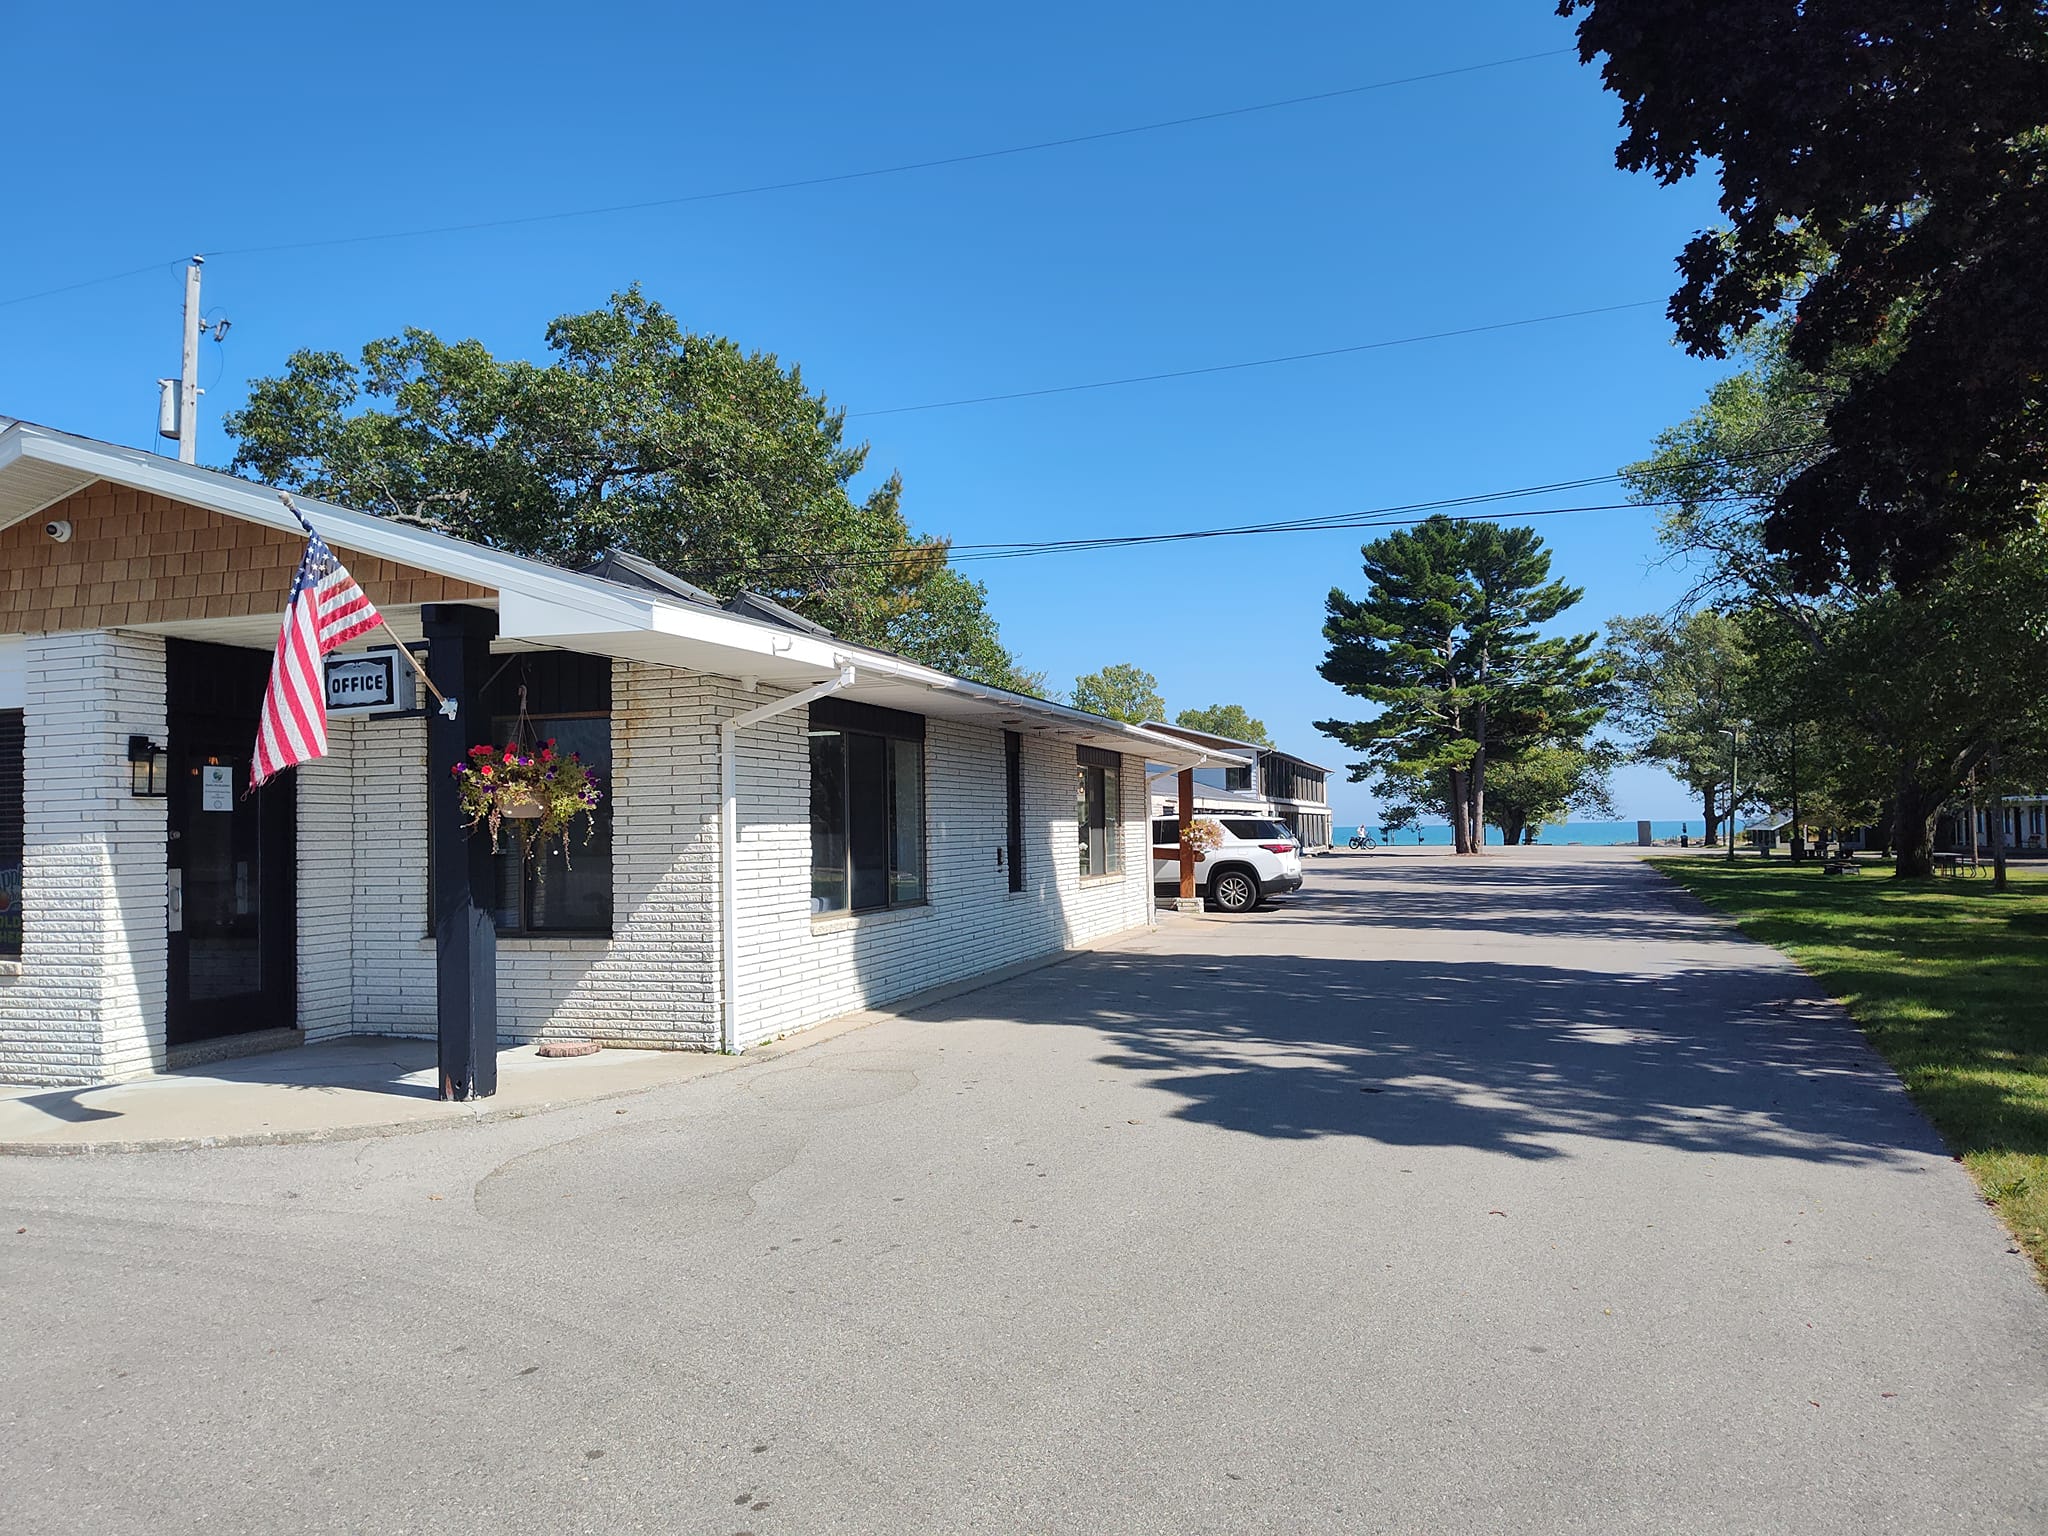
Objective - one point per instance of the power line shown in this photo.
(835, 178)
(1397, 515)
(1259, 362)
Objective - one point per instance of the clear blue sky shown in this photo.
(1426, 207)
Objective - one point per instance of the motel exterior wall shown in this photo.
(366, 959)
(86, 1002)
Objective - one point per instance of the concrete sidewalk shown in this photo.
(337, 1090)
(380, 1085)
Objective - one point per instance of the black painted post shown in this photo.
(465, 936)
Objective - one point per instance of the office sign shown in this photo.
(377, 682)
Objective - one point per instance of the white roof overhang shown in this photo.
(540, 604)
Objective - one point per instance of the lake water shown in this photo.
(1601, 832)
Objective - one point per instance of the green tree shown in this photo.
(718, 464)
(1906, 690)
(1881, 168)
(1231, 720)
(1122, 692)
(1676, 694)
(1446, 642)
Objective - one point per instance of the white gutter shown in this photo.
(729, 840)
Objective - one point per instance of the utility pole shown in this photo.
(1734, 791)
(188, 374)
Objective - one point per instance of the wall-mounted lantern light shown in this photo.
(149, 769)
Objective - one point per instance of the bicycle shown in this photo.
(1363, 840)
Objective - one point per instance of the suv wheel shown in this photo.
(1234, 890)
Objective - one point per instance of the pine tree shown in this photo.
(1446, 640)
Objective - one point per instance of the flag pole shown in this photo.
(447, 704)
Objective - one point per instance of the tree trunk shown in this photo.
(1461, 829)
(1512, 829)
(1997, 817)
(1913, 816)
(1707, 809)
(1479, 791)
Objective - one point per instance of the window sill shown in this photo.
(590, 943)
(1088, 881)
(834, 922)
(9, 968)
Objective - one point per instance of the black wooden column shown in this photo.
(465, 935)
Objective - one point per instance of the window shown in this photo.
(1013, 789)
(10, 833)
(567, 700)
(1097, 807)
(867, 807)
(1252, 830)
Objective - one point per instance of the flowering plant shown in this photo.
(540, 792)
(1204, 836)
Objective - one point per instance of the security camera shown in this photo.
(59, 530)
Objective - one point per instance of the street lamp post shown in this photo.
(1734, 790)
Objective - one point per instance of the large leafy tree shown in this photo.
(1447, 642)
(1677, 693)
(716, 463)
(1231, 720)
(1884, 174)
(1887, 694)
(1122, 691)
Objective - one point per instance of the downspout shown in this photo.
(729, 842)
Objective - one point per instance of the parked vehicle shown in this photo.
(1257, 859)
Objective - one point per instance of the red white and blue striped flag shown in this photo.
(326, 611)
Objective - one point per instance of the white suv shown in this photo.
(1256, 859)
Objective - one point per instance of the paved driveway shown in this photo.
(1512, 1197)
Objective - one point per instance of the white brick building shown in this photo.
(895, 830)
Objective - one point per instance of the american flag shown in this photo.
(326, 611)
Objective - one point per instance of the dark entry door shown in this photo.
(232, 854)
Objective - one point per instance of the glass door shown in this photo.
(230, 856)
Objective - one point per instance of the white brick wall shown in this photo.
(797, 970)
(88, 1003)
(651, 984)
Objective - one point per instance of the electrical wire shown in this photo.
(798, 183)
(1398, 515)
(1259, 362)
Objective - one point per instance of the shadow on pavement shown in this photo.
(1501, 1057)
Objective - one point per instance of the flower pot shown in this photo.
(519, 807)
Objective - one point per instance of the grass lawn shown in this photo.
(1949, 980)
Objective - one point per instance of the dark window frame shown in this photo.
(842, 721)
(1110, 767)
(1013, 790)
(530, 877)
(553, 682)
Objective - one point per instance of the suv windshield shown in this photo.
(1257, 831)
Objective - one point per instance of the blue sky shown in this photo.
(1433, 206)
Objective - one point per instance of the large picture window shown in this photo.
(10, 833)
(867, 807)
(1098, 808)
(567, 699)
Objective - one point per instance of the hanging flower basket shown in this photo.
(1204, 836)
(539, 792)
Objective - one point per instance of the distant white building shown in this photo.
(1269, 783)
